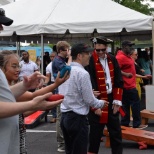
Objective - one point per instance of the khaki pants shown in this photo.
(60, 138)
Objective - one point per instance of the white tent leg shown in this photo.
(42, 52)
(18, 44)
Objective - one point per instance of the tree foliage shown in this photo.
(137, 5)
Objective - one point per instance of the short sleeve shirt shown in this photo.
(9, 127)
(27, 69)
(49, 71)
(126, 64)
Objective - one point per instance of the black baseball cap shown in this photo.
(127, 43)
(101, 40)
(80, 48)
(3, 19)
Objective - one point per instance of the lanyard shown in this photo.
(104, 68)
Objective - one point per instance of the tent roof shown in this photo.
(77, 16)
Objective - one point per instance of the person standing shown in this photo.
(106, 78)
(46, 61)
(49, 80)
(27, 67)
(139, 73)
(130, 96)
(9, 63)
(38, 63)
(78, 99)
(58, 63)
(146, 64)
(9, 108)
(49, 73)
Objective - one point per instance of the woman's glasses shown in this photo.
(15, 66)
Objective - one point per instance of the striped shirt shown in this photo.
(78, 93)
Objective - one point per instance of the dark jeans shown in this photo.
(75, 130)
(54, 112)
(131, 99)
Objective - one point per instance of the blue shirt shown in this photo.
(57, 64)
(77, 91)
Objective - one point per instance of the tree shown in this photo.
(137, 5)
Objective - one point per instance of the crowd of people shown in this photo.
(102, 90)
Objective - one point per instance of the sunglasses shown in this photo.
(99, 50)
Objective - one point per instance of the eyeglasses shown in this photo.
(99, 50)
(15, 66)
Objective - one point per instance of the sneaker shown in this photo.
(61, 149)
(130, 125)
(142, 126)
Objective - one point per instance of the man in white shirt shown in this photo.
(49, 80)
(49, 74)
(77, 101)
(27, 67)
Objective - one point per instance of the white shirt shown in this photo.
(27, 69)
(49, 71)
(77, 91)
(105, 67)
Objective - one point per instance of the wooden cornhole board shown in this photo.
(133, 134)
(146, 115)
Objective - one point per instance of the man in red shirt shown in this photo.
(130, 96)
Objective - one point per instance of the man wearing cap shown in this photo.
(77, 101)
(130, 95)
(106, 78)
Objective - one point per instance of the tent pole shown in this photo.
(18, 45)
(153, 51)
(42, 53)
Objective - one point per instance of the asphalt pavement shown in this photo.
(42, 140)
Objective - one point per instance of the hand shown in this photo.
(129, 75)
(105, 104)
(42, 83)
(59, 80)
(33, 81)
(98, 112)
(96, 93)
(115, 108)
(149, 76)
(142, 70)
(40, 103)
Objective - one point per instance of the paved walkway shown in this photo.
(42, 140)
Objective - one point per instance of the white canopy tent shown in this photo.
(78, 16)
